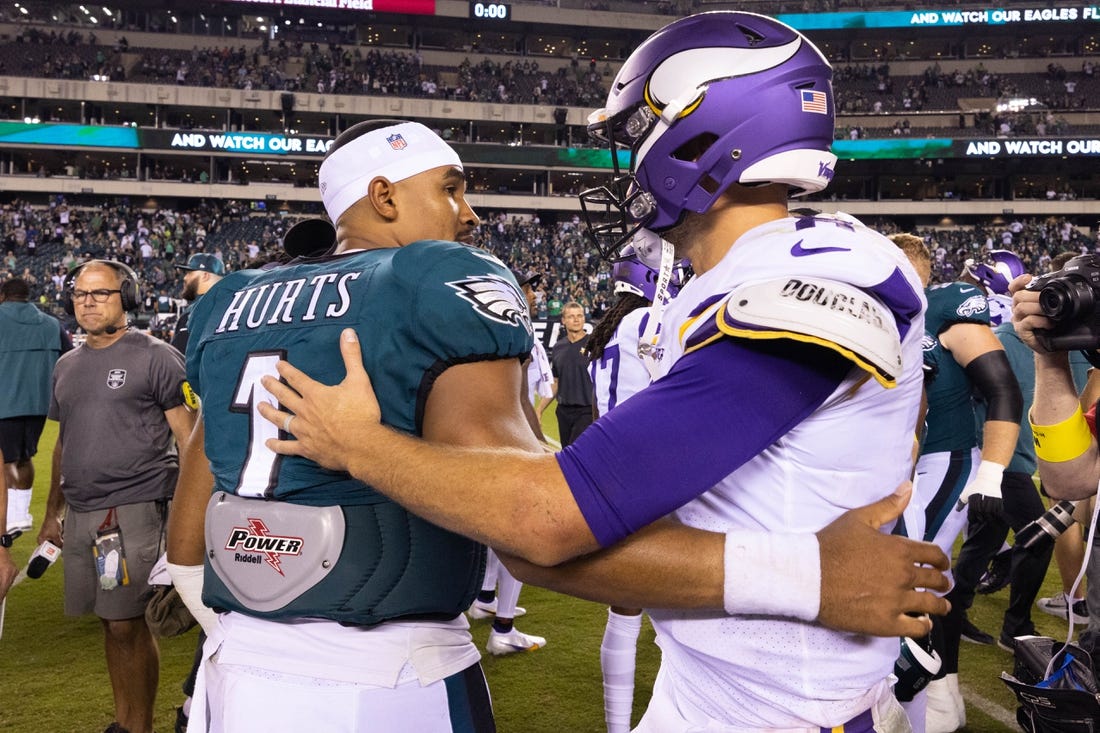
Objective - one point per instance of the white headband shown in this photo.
(396, 153)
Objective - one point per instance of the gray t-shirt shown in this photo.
(116, 443)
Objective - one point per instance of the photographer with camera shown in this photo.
(1055, 314)
(1065, 531)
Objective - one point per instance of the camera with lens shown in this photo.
(1046, 528)
(1071, 298)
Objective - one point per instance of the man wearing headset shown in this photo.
(129, 386)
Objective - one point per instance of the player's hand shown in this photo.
(982, 496)
(984, 508)
(1027, 315)
(876, 583)
(333, 425)
(8, 571)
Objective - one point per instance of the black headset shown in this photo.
(131, 299)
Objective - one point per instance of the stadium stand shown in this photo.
(514, 98)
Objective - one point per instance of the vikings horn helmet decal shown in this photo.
(709, 101)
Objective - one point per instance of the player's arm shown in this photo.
(980, 353)
(475, 404)
(670, 565)
(193, 489)
(186, 522)
(867, 578)
(66, 342)
(55, 502)
(528, 503)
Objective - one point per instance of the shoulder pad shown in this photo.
(835, 315)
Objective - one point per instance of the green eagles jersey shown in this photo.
(418, 310)
(950, 421)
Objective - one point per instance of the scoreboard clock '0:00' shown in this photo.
(491, 11)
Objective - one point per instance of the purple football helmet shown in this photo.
(1000, 268)
(631, 275)
(710, 100)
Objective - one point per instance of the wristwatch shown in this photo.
(6, 540)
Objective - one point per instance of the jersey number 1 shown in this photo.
(261, 466)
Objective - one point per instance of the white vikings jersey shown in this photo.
(1000, 309)
(619, 373)
(841, 285)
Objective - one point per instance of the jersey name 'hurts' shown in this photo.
(273, 303)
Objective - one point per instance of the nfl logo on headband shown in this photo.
(397, 151)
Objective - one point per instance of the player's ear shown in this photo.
(380, 191)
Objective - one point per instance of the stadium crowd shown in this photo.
(42, 243)
(341, 67)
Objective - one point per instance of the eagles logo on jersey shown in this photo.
(972, 305)
(495, 298)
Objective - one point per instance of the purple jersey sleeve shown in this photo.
(719, 407)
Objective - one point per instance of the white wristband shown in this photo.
(772, 574)
(188, 582)
(991, 472)
(987, 481)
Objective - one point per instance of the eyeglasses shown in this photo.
(99, 296)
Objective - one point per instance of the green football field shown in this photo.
(53, 678)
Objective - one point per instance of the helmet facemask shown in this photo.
(616, 211)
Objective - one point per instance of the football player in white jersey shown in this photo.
(789, 378)
(618, 372)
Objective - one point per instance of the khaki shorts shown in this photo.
(142, 527)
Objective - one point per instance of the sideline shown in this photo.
(990, 708)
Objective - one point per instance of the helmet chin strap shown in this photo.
(647, 345)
